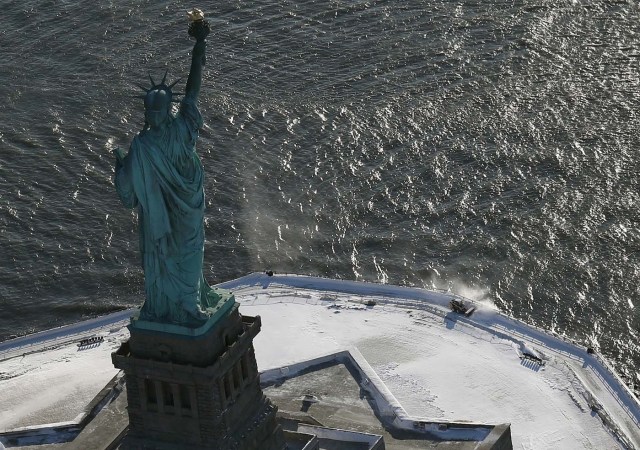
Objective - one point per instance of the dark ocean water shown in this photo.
(488, 147)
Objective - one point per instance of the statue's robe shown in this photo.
(163, 176)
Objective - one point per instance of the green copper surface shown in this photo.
(162, 177)
(215, 313)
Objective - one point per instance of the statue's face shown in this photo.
(157, 105)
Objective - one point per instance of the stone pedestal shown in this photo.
(197, 389)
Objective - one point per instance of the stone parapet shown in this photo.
(179, 345)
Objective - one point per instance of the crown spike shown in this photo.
(174, 83)
(142, 87)
(164, 78)
(153, 83)
(139, 96)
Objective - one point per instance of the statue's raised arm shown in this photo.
(199, 29)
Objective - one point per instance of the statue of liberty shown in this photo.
(162, 176)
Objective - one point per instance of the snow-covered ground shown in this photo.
(42, 385)
(437, 364)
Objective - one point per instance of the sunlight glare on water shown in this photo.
(485, 147)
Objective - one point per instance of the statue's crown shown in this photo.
(159, 95)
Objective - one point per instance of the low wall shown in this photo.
(386, 405)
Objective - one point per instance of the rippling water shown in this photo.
(488, 147)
